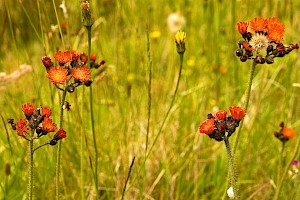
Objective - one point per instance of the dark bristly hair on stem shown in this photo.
(88, 23)
(127, 179)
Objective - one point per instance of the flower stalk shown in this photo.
(30, 166)
(88, 22)
(247, 99)
(58, 158)
(231, 167)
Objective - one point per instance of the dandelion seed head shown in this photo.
(259, 42)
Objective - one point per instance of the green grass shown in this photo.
(183, 163)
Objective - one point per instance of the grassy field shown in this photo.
(183, 164)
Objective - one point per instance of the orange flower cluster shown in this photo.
(265, 43)
(218, 124)
(284, 134)
(71, 65)
(38, 121)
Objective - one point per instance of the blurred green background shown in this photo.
(183, 163)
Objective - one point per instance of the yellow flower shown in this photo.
(180, 37)
(180, 41)
(155, 34)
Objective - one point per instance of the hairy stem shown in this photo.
(59, 143)
(248, 91)
(30, 166)
(231, 168)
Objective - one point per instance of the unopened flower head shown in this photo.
(180, 41)
(264, 43)
(86, 13)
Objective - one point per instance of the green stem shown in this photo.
(281, 163)
(89, 31)
(285, 172)
(82, 151)
(163, 123)
(59, 143)
(248, 91)
(171, 105)
(231, 168)
(149, 91)
(58, 23)
(30, 166)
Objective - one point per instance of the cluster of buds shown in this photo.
(265, 43)
(37, 121)
(218, 124)
(70, 65)
(284, 134)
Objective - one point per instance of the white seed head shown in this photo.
(259, 42)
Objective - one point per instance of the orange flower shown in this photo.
(46, 112)
(93, 57)
(242, 27)
(288, 132)
(208, 126)
(81, 73)
(221, 115)
(237, 112)
(275, 32)
(75, 55)
(258, 24)
(48, 125)
(83, 57)
(22, 127)
(58, 75)
(247, 46)
(28, 109)
(271, 21)
(63, 57)
(61, 133)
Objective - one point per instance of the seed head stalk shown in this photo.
(248, 91)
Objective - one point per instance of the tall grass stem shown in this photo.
(89, 32)
(149, 91)
(127, 179)
(58, 23)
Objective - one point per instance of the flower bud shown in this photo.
(71, 88)
(239, 52)
(180, 41)
(270, 59)
(243, 58)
